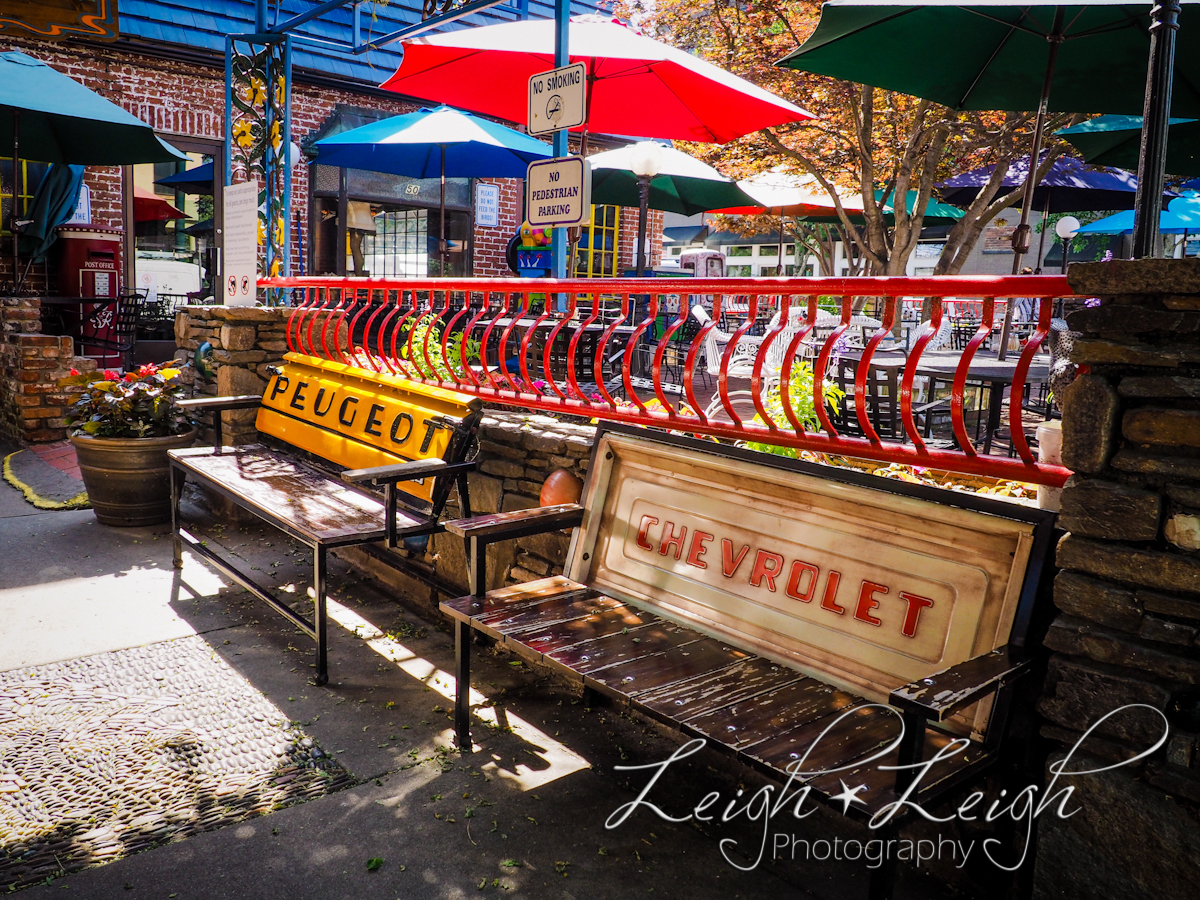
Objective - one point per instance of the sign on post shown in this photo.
(560, 192)
(240, 253)
(487, 204)
(557, 99)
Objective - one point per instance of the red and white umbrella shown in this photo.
(637, 85)
(785, 194)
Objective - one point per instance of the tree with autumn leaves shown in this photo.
(864, 138)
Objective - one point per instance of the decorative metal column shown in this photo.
(1152, 161)
(258, 75)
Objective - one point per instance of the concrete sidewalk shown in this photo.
(522, 816)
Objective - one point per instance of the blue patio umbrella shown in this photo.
(434, 143)
(1182, 216)
(194, 181)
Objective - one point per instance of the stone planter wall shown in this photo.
(32, 405)
(1129, 588)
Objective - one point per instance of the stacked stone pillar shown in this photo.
(1128, 591)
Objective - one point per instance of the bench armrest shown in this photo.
(407, 471)
(218, 404)
(518, 523)
(941, 695)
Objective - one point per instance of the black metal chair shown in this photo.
(120, 336)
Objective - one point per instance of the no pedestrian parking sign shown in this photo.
(559, 192)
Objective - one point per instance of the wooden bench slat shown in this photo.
(683, 663)
(881, 783)
(282, 490)
(863, 731)
(694, 697)
(613, 649)
(578, 631)
(761, 718)
(541, 614)
(465, 609)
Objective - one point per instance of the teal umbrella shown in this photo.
(48, 117)
(1116, 140)
(55, 119)
(936, 212)
(990, 54)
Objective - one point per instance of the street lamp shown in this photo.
(645, 162)
(1066, 228)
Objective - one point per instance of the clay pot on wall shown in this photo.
(128, 479)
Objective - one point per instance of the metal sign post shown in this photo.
(562, 57)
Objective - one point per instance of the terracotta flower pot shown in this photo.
(128, 479)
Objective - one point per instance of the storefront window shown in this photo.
(597, 252)
(173, 230)
(31, 175)
(391, 227)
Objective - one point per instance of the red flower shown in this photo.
(130, 376)
(147, 370)
(74, 371)
(110, 375)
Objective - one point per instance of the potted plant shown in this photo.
(124, 426)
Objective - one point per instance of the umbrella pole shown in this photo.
(1152, 156)
(1042, 238)
(779, 267)
(12, 226)
(442, 217)
(1021, 238)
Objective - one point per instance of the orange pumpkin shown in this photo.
(561, 486)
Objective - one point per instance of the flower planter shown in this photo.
(128, 479)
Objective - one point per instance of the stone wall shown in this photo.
(246, 342)
(516, 452)
(32, 405)
(1129, 588)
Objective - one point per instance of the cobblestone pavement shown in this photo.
(110, 754)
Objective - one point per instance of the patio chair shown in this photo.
(121, 335)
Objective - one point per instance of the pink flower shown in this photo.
(147, 370)
(110, 375)
(74, 371)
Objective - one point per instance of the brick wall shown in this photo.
(627, 245)
(1129, 588)
(32, 405)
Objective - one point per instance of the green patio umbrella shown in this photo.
(993, 55)
(683, 184)
(1062, 56)
(1116, 141)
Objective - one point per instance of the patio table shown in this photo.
(939, 365)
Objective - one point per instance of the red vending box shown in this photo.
(89, 267)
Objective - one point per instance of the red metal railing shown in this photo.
(576, 346)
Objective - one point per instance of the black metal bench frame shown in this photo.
(933, 699)
(447, 474)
